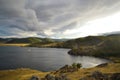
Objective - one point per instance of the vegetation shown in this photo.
(107, 46)
(14, 44)
(20, 74)
(32, 42)
(76, 65)
(100, 46)
(110, 69)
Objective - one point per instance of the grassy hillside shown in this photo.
(91, 45)
(24, 40)
(101, 47)
(30, 40)
(20, 74)
(86, 41)
(110, 71)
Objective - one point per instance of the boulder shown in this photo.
(96, 75)
(102, 65)
(60, 77)
(35, 78)
(99, 75)
(115, 76)
(49, 77)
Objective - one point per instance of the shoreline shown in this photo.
(15, 44)
(27, 73)
(109, 69)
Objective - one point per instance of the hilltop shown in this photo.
(32, 41)
(107, 46)
(99, 46)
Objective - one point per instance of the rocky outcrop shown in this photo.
(102, 65)
(69, 68)
(35, 78)
(99, 76)
(52, 77)
(49, 77)
(115, 76)
(86, 51)
(96, 75)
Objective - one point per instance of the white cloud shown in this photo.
(95, 27)
(55, 18)
(48, 32)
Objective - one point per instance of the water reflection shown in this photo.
(88, 61)
(44, 59)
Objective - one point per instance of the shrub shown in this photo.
(76, 65)
(79, 65)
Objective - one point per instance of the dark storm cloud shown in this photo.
(12, 8)
(37, 16)
(70, 26)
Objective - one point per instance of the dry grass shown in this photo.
(110, 68)
(25, 74)
(49, 45)
(14, 44)
(20, 74)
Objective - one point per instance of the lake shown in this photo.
(44, 59)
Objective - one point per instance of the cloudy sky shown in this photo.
(58, 18)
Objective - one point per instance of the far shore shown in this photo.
(14, 44)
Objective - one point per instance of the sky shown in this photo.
(58, 18)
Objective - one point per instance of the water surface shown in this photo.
(44, 59)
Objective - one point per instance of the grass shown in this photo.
(14, 44)
(107, 49)
(20, 74)
(110, 68)
(26, 74)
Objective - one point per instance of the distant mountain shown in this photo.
(24, 40)
(30, 40)
(61, 40)
(112, 34)
(74, 43)
(4, 40)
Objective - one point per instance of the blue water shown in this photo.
(44, 59)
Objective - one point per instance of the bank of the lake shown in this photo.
(15, 44)
(43, 59)
(110, 69)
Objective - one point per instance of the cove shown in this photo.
(43, 59)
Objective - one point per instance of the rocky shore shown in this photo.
(108, 71)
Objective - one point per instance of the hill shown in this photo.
(24, 40)
(30, 40)
(95, 46)
(110, 71)
(100, 46)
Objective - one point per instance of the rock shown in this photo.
(35, 78)
(96, 75)
(70, 68)
(102, 65)
(65, 67)
(60, 77)
(115, 76)
(99, 76)
(49, 77)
